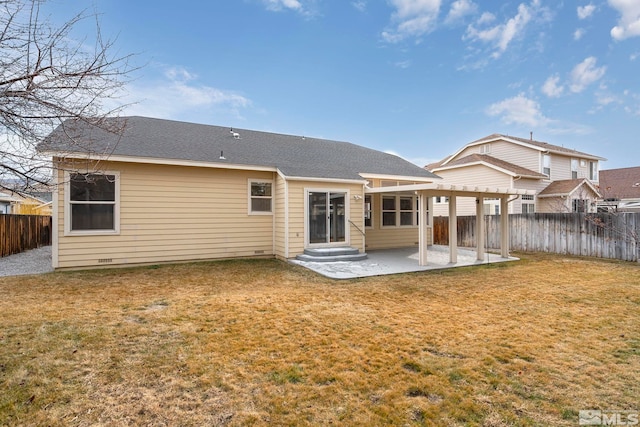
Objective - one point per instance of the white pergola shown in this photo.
(453, 191)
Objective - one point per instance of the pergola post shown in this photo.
(504, 227)
(480, 228)
(422, 227)
(453, 230)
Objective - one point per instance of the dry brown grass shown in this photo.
(262, 342)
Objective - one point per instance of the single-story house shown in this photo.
(169, 191)
(20, 203)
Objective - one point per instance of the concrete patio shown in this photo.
(402, 260)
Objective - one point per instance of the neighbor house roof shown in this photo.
(565, 187)
(474, 159)
(542, 146)
(294, 156)
(620, 183)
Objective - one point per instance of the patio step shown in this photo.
(342, 253)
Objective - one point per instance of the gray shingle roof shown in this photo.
(295, 156)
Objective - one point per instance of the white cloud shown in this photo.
(412, 18)
(486, 18)
(551, 88)
(361, 5)
(460, 9)
(577, 34)
(629, 22)
(403, 64)
(500, 36)
(277, 5)
(586, 73)
(518, 110)
(585, 11)
(178, 95)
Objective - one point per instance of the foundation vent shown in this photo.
(105, 260)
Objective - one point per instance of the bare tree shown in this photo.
(46, 78)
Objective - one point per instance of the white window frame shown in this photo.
(252, 181)
(398, 211)
(546, 164)
(68, 231)
(485, 149)
(574, 168)
(593, 171)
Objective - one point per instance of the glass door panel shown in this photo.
(317, 217)
(337, 217)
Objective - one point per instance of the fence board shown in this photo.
(19, 233)
(603, 235)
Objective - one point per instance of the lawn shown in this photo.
(257, 342)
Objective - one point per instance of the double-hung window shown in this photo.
(546, 165)
(92, 203)
(260, 197)
(527, 204)
(399, 211)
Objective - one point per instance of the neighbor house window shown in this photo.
(260, 197)
(92, 201)
(526, 206)
(593, 171)
(580, 205)
(368, 216)
(574, 168)
(399, 211)
(485, 149)
(546, 165)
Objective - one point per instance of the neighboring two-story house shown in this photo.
(564, 180)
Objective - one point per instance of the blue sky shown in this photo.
(419, 78)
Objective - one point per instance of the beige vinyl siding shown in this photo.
(509, 152)
(476, 175)
(379, 237)
(583, 171)
(297, 213)
(527, 184)
(296, 217)
(560, 167)
(280, 217)
(553, 205)
(173, 213)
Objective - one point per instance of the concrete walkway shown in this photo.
(395, 261)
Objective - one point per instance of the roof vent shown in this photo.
(222, 157)
(235, 135)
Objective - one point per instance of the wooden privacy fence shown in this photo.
(602, 235)
(19, 233)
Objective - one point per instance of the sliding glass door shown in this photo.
(326, 217)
